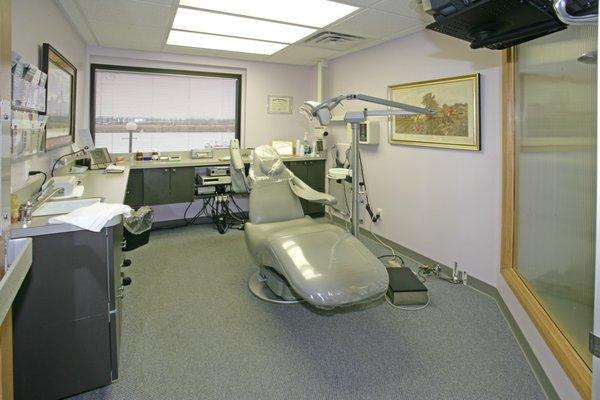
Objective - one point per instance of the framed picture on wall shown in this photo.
(455, 125)
(60, 98)
(279, 104)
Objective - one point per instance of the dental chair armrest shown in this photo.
(305, 192)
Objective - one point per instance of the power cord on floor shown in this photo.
(393, 253)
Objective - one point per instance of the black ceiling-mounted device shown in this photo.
(498, 24)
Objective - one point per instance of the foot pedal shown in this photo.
(405, 288)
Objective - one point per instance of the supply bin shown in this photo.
(137, 228)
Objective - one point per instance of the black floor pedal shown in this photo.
(405, 288)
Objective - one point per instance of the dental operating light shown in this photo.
(322, 111)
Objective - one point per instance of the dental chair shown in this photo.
(299, 258)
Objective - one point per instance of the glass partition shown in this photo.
(555, 177)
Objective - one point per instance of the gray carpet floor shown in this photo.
(192, 330)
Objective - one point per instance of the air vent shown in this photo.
(334, 40)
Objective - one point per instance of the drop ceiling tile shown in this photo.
(73, 12)
(127, 12)
(304, 55)
(375, 24)
(359, 3)
(127, 36)
(190, 51)
(299, 51)
(408, 8)
(168, 3)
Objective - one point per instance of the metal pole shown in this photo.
(355, 167)
(130, 141)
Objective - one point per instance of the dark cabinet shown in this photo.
(67, 315)
(313, 174)
(134, 196)
(182, 185)
(157, 186)
(168, 185)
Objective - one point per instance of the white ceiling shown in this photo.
(145, 25)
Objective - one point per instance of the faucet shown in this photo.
(27, 209)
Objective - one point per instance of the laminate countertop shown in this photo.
(96, 183)
(187, 161)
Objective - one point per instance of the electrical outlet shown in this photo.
(378, 213)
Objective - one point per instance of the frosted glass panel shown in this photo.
(556, 178)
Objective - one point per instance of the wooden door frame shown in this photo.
(573, 365)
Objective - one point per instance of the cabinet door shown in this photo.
(157, 182)
(315, 171)
(134, 196)
(182, 184)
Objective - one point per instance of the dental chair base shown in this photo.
(268, 285)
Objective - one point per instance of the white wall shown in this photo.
(442, 203)
(41, 21)
(259, 79)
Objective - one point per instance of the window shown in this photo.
(174, 110)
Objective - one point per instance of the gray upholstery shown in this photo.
(239, 183)
(322, 263)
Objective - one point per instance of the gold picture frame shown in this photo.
(455, 124)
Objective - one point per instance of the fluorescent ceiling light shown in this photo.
(316, 13)
(214, 42)
(222, 24)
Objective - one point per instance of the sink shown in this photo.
(57, 207)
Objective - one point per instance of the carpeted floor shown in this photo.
(192, 330)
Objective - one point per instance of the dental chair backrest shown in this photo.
(271, 197)
(239, 182)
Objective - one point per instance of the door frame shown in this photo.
(574, 366)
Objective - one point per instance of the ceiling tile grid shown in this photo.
(145, 25)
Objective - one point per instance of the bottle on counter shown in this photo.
(305, 144)
(14, 208)
(155, 155)
(139, 156)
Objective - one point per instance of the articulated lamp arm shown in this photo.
(323, 110)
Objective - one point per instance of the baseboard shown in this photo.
(412, 258)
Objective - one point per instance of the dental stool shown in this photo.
(301, 259)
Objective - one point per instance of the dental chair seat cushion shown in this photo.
(324, 264)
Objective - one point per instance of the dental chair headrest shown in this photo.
(268, 161)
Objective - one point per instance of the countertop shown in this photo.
(97, 183)
(112, 188)
(187, 161)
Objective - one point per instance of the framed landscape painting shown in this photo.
(454, 125)
(60, 97)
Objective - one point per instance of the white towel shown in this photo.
(94, 217)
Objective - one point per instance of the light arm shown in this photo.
(394, 104)
(323, 110)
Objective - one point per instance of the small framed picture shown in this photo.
(279, 104)
(283, 147)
